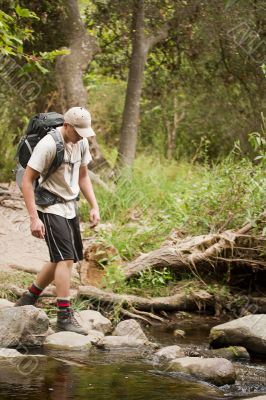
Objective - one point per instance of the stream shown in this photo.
(126, 374)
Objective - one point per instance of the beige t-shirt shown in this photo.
(64, 182)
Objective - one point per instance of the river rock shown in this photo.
(232, 353)
(67, 341)
(25, 326)
(121, 341)
(6, 303)
(93, 320)
(218, 371)
(168, 353)
(9, 353)
(95, 336)
(130, 328)
(248, 331)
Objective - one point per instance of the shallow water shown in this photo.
(127, 375)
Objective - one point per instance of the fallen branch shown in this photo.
(190, 252)
(178, 302)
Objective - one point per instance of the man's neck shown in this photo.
(64, 134)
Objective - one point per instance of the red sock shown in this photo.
(35, 290)
(63, 304)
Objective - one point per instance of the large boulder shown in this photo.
(67, 341)
(6, 303)
(168, 353)
(248, 331)
(25, 326)
(93, 320)
(218, 371)
(130, 328)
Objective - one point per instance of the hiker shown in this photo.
(58, 223)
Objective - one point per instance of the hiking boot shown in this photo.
(66, 321)
(27, 299)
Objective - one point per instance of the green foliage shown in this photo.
(258, 142)
(152, 278)
(21, 279)
(114, 278)
(11, 34)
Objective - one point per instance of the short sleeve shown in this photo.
(85, 153)
(43, 155)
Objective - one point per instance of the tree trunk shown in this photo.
(128, 134)
(70, 67)
(141, 45)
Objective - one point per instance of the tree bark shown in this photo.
(128, 135)
(180, 301)
(70, 68)
(140, 47)
(190, 252)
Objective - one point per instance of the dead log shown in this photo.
(177, 302)
(192, 251)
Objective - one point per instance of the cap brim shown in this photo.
(85, 132)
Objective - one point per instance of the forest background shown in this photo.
(176, 90)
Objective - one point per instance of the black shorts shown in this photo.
(63, 237)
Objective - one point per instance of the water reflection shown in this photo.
(59, 380)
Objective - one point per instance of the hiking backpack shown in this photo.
(39, 126)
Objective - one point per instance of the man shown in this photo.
(58, 223)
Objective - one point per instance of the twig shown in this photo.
(150, 315)
(133, 315)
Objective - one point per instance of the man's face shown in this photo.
(72, 134)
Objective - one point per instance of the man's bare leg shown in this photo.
(62, 278)
(46, 275)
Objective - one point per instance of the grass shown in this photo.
(161, 196)
(21, 279)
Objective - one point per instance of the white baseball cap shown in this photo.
(80, 119)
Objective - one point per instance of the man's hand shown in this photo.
(37, 228)
(94, 217)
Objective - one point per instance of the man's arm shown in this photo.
(87, 190)
(36, 225)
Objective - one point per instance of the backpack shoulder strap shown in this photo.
(82, 148)
(59, 154)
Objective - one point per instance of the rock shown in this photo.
(67, 341)
(179, 332)
(232, 353)
(130, 328)
(50, 331)
(168, 353)
(6, 303)
(9, 353)
(263, 397)
(121, 341)
(248, 331)
(25, 326)
(218, 371)
(95, 336)
(93, 320)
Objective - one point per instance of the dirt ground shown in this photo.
(17, 246)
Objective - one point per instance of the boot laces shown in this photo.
(73, 318)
